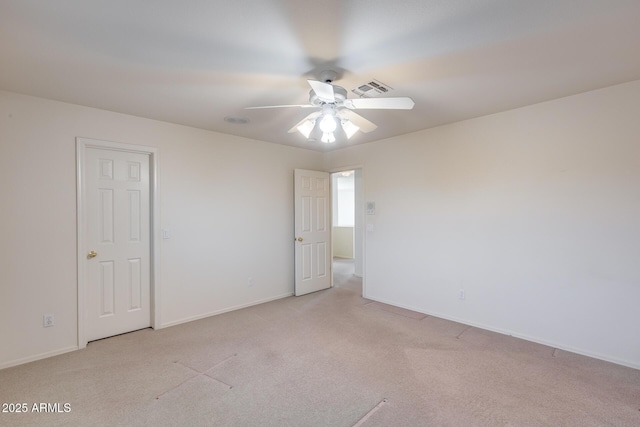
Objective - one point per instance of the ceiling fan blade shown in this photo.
(281, 106)
(401, 103)
(309, 117)
(323, 90)
(365, 125)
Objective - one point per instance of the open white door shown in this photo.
(312, 192)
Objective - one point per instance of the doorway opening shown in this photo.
(347, 229)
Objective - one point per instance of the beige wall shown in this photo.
(534, 212)
(227, 201)
(342, 242)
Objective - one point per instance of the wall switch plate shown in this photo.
(166, 234)
(250, 281)
(461, 294)
(48, 320)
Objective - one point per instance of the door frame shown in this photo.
(82, 144)
(361, 224)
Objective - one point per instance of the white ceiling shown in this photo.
(195, 62)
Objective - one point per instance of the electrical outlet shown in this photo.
(48, 320)
(461, 294)
(250, 281)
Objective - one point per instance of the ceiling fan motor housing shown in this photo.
(339, 93)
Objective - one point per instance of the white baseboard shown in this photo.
(606, 358)
(40, 356)
(221, 311)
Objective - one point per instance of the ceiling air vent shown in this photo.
(372, 89)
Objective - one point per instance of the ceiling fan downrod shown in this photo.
(328, 76)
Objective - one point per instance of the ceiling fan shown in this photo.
(336, 115)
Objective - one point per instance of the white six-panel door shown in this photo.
(312, 193)
(117, 271)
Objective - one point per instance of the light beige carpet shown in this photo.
(327, 359)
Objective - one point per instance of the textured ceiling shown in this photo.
(196, 62)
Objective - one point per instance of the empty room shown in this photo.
(329, 213)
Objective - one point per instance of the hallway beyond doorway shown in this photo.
(344, 277)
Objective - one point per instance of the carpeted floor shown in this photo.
(330, 358)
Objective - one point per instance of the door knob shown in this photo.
(299, 239)
(92, 254)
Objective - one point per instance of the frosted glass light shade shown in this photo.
(306, 128)
(349, 128)
(328, 137)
